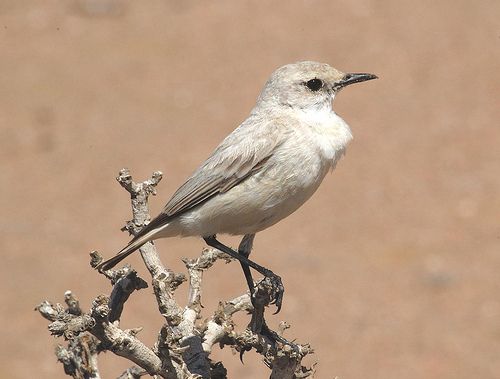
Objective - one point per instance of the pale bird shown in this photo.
(264, 170)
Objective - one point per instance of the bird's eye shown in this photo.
(314, 84)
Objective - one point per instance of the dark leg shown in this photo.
(276, 280)
(258, 324)
(245, 249)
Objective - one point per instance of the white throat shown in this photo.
(329, 132)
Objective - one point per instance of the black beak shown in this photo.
(354, 78)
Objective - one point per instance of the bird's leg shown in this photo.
(245, 248)
(257, 324)
(275, 279)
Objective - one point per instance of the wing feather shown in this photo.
(232, 162)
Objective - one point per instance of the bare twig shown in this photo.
(122, 289)
(80, 358)
(184, 342)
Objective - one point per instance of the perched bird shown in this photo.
(264, 170)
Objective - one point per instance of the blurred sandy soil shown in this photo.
(391, 270)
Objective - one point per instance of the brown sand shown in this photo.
(391, 270)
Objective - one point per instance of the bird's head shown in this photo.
(307, 85)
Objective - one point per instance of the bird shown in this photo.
(264, 170)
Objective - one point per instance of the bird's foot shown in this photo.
(269, 290)
(272, 340)
(277, 292)
(276, 338)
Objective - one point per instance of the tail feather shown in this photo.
(133, 245)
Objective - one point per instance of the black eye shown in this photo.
(314, 84)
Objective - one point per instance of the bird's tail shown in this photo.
(133, 245)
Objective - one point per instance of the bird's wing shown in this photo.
(240, 155)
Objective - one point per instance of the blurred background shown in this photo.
(391, 270)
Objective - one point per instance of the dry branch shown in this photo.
(184, 342)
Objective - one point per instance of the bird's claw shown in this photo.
(243, 351)
(275, 337)
(277, 293)
(273, 290)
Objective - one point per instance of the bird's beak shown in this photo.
(354, 78)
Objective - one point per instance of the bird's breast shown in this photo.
(327, 133)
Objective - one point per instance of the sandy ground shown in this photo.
(391, 269)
